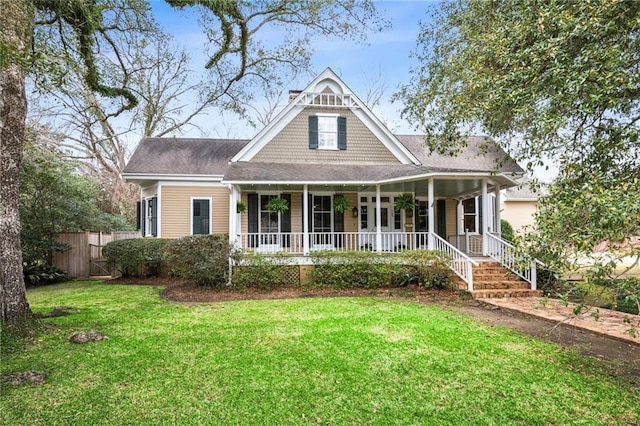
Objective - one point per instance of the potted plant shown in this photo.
(277, 205)
(405, 202)
(241, 207)
(341, 204)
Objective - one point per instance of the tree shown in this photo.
(547, 80)
(86, 28)
(55, 198)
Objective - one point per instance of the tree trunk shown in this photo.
(16, 24)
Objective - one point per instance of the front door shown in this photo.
(390, 220)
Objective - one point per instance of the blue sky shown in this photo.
(386, 54)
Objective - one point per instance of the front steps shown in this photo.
(492, 280)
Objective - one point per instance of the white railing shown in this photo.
(504, 252)
(467, 243)
(459, 262)
(293, 242)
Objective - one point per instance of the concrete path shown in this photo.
(614, 324)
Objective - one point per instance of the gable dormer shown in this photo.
(326, 123)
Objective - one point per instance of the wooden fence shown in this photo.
(84, 258)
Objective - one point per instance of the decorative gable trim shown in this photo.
(314, 95)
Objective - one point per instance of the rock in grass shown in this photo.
(86, 337)
(22, 377)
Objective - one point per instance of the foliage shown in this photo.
(39, 273)
(341, 204)
(136, 257)
(255, 270)
(429, 266)
(201, 259)
(277, 205)
(405, 202)
(388, 361)
(54, 198)
(353, 269)
(241, 207)
(546, 80)
(506, 231)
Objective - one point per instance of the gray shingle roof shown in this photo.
(211, 157)
(183, 156)
(471, 158)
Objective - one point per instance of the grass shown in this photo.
(331, 361)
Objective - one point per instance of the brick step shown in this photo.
(491, 294)
(484, 271)
(495, 277)
(503, 285)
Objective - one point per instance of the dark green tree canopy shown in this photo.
(547, 79)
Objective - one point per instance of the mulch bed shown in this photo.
(182, 291)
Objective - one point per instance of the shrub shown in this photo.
(38, 273)
(506, 233)
(374, 270)
(351, 269)
(265, 272)
(427, 268)
(137, 257)
(201, 259)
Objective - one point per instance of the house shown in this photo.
(519, 206)
(323, 146)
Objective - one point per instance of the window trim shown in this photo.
(210, 200)
(476, 214)
(334, 146)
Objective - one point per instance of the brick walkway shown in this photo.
(603, 321)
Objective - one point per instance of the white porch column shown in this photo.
(233, 215)
(305, 220)
(430, 205)
(485, 218)
(498, 227)
(378, 221)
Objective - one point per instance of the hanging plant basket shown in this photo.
(405, 202)
(241, 207)
(277, 205)
(341, 204)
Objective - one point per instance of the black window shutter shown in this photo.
(252, 219)
(138, 215)
(342, 132)
(142, 217)
(480, 213)
(285, 222)
(310, 213)
(154, 216)
(313, 132)
(442, 218)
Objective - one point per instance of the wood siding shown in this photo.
(175, 209)
(292, 143)
(519, 214)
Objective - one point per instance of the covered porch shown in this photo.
(458, 215)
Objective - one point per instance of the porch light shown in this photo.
(354, 211)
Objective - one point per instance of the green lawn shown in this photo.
(332, 361)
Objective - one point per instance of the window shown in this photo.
(269, 221)
(149, 216)
(327, 131)
(470, 215)
(322, 213)
(200, 216)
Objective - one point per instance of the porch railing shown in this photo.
(459, 262)
(293, 242)
(504, 252)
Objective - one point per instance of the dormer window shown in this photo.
(327, 131)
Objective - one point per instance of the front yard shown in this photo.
(312, 360)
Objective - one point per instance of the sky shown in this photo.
(386, 56)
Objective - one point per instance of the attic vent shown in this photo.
(293, 94)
